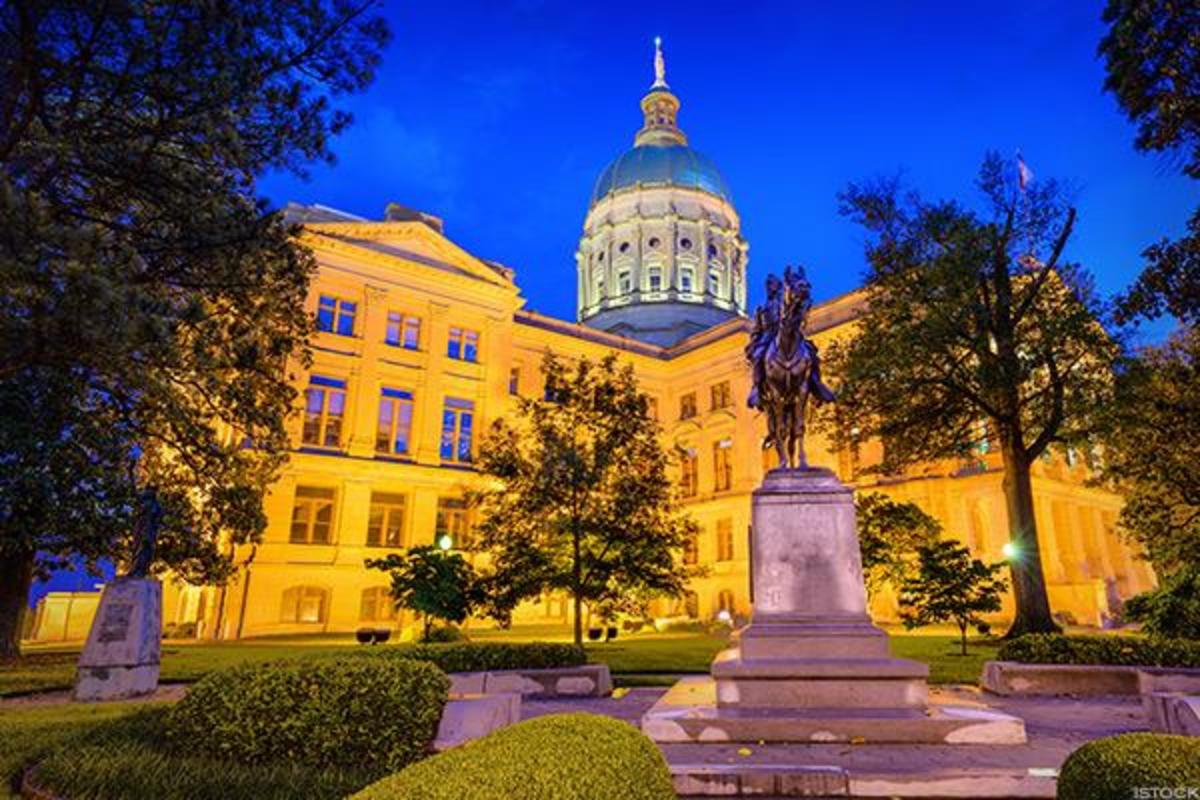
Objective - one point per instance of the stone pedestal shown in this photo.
(811, 666)
(121, 657)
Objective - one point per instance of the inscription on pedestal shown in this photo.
(114, 624)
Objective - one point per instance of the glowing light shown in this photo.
(1010, 550)
(445, 542)
(724, 616)
(658, 41)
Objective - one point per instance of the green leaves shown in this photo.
(889, 536)
(431, 582)
(950, 586)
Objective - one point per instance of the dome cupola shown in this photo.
(661, 256)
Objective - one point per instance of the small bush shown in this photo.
(558, 757)
(1172, 609)
(1049, 648)
(444, 634)
(375, 714)
(1111, 769)
(480, 657)
(128, 760)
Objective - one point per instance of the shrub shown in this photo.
(1173, 609)
(1111, 769)
(1050, 648)
(444, 634)
(376, 714)
(480, 657)
(558, 757)
(128, 760)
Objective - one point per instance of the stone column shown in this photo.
(121, 657)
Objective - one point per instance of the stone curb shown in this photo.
(1018, 678)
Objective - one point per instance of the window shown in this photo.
(725, 540)
(456, 430)
(725, 600)
(624, 282)
(652, 407)
(312, 516)
(335, 315)
(687, 406)
(654, 279)
(385, 521)
(403, 330)
(324, 407)
(685, 243)
(712, 251)
(720, 395)
(453, 521)
(463, 345)
(714, 282)
(514, 380)
(304, 604)
(394, 428)
(598, 282)
(689, 474)
(654, 241)
(722, 465)
(376, 605)
(691, 550)
(686, 280)
(624, 248)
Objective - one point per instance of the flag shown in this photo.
(1024, 173)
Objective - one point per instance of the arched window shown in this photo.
(376, 605)
(305, 604)
(725, 600)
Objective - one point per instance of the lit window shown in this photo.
(304, 604)
(691, 550)
(655, 279)
(453, 521)
(312, 516)
(335, 315)
(720, 395)
(687, 406)
(403, 330)
(725, 540)
(722, 465)
(324, 408)
(394, 427)
(514, 380)
(652, 407)
(463, 345)
(725, 600)
(457, 419)
(686, 280)
(624, 282)
(385, 520)
(377, 605)
(689, 474)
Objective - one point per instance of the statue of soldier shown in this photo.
(766, 325)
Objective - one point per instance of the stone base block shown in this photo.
(689, 712)
(115, 683)
(587, 680)
(1171, 712)
(802, 683)
(781, 636)
(1014, 678)
(471, 716)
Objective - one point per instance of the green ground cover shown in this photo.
(641, 659)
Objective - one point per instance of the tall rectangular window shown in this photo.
(720, 395)
(457, 424)
(453, 521)
(624, 282)
(691, 550)
(312, 516)
(463, 345)
(403, 330)
(514, 380)
(324, 409)
(689, 477)
(686, 279)
(687, 406)
(722, 464)
(385, 520)
(724, 540)
(336, 315)
(654, 279)
(394, 426)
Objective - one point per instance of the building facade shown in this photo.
(420, 345)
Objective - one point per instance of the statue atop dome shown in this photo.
(660, 66)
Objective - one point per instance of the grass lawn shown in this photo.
(637, 659)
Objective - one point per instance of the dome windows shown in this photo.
(624, 248)
(713, 251)
(687, 279)
(685, 243)
(654, 241)
(624, 282)
(714, 282)
(654, 279)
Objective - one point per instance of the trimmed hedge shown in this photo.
(129, 759)
(374, 714)
(470, 657)
(558, 757)
(1110, 769)
(1134, 651)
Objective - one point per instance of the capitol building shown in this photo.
(421, 345)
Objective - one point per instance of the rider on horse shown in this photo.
(766, 325)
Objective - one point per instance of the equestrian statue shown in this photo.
(786, 367)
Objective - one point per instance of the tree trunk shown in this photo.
(577, 589)
(1029, 582)
(16, 576)
(962, 632)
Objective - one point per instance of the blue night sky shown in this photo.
(498, 117)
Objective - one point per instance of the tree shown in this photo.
(974, 326)
(432, 582)
(151, 302)
(579, 500)
(889, 536)
(1152, 57)
(950, 586)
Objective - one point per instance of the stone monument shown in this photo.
(810, 666)
(121, 656)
